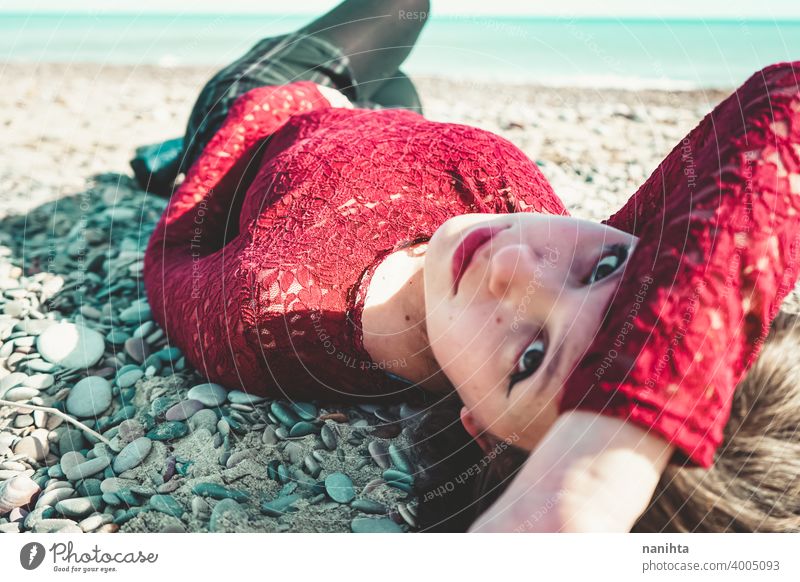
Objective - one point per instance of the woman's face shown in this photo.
(526, 307)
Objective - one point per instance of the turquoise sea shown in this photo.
(554, 51)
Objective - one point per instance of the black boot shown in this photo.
(155, 166)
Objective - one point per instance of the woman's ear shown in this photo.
(484, 439)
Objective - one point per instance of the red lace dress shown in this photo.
(259, 266)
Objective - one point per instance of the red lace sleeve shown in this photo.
(719, 222)
(192, 261)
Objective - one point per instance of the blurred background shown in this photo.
(618, 43)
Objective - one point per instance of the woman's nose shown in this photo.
(515, 267)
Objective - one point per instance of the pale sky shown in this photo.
(733, 9)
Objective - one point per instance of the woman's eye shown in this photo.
(529, 362)
(609, 263)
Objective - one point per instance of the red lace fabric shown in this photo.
(719, 222)
(259, 266)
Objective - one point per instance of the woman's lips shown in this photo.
(467, 248)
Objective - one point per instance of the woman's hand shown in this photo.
(590, 473)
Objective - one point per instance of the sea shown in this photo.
(670, 54)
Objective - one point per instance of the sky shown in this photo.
(705, 9)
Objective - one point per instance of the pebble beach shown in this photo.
(104, 427)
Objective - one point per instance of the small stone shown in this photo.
(374, 525)
(90, 397)
(339, 487)
(35, 445)
(294, 452)
(268, 437)
(79, 507)
(87, 468)
(184, 409)
(379, 454)
(302, 428)
(70, 460)
(71, 345)
(284, 414)
(205, 418)
(135, 314)
(277, 507)
(239, 397)
(399, 459)
(216, 491)
(368, 506)
(166, 504)
(133, 454)
(209, 394)
(137, 348)
(305, 410)
(227, 513)
(328, 437)
(129, 378)
(40, 381)
(168, 430)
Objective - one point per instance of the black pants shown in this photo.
(356, 48)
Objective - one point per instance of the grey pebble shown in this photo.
(133, 454)
(210, 394)
(184, 409)
(339, 487)
(227, 510)
(89, 397)
(87, 469)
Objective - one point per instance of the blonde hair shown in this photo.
(754, 484)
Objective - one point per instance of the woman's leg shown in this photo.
(398, 92)
(375, 36)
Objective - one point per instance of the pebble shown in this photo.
(302, 428)
(379, 454)
(205, 418)
(135, 313)
(399, 459)
(129, 378)
(137, 348)
(279, 506)
(368, 506)
(79, 507)
(94, 521)
(328, 437)
(216, 491)
(87, 468)
(168, 430)
(133, 454)
(36, 446)
(227, 510)
(40, 381)
(374, 525)
(166, 504)
(21, 393)
(209, 394)
(70, 345)
(239, 397)
(305, 410)
(184, 409)
(89, 397)
(70, 460)
(339, 487)
(284, 414)
(268, 437)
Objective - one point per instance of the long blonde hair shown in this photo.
(753, 485)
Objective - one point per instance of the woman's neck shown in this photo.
(393, 321)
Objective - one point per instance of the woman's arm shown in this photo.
(719, 223)
(192, 258)
(590, 473)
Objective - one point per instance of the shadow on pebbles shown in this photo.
(104, 426)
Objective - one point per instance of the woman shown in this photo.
(318, 250)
